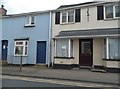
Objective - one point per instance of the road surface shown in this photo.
(30, 83)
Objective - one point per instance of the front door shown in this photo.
(86, 52)
(4, 49)
(41, 52)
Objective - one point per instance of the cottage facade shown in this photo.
(26, 36)
(86, 35)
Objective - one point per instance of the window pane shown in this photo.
(64, 17)
(62, 48)
(86, 47)
(113, 48)
(25, 50)
(32, 19)
(27, 20)
(109, 11)
(26, 43)
(117, 11)
(105, 49)
(19, 50)
(71, 48)
(71, 16)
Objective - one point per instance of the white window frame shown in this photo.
(69, 51)
(105, 12)
(21, 45)
(113, 11)
(107, 50)
(67, 16)
(29, 21)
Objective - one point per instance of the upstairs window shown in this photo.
(109, 11)
(68, 16)
(64, 17)
(30, 21)
(112, 11)
(71, 16)
(117, 11)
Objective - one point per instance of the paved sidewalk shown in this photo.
(83, 75)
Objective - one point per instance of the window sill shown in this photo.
(107, 19)
(30, 25)
(67, 23)
(20, 55)
(111, 59)
(64, 57)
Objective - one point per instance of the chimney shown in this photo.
(3, 11)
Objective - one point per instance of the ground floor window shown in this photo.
(64, 48)
(112, 46)
(21, 48)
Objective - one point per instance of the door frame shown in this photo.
(83, 40)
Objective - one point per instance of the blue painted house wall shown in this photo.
(14, 27)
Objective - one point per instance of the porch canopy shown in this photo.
(108, 32)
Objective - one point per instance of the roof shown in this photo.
(91, 3)
(65, 6)
(89, 33)
(29, 13)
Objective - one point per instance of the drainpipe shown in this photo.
(49, 41)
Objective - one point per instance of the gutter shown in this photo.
(88, 36)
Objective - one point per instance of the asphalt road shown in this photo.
(23, 83)
(13, 82)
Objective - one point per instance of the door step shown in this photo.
(85, 67)
(98, 70)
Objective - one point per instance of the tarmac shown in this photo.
(82, 75)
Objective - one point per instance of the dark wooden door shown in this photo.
(86, 52)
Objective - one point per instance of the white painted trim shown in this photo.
(107, 47)
(55, 48)
(69, 48)
(104, 12)
(114, 11)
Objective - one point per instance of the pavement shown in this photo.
(82, 75)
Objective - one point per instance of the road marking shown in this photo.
(55, 81)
